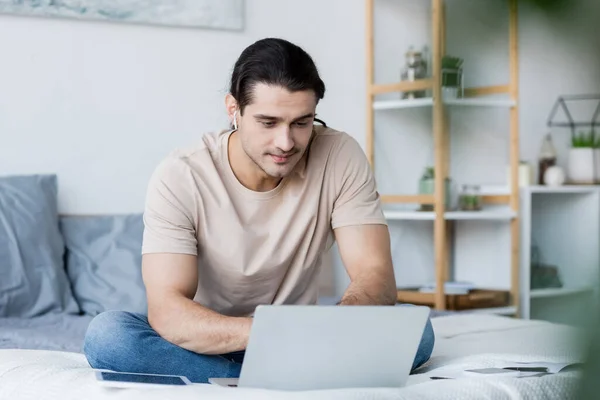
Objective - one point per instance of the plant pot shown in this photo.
(582, 167)
(427, 186)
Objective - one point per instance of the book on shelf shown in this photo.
(449, 287)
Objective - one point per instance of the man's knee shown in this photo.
(425, 346)
(107, 336)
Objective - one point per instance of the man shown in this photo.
(243, 219)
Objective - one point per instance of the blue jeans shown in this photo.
(125, 342)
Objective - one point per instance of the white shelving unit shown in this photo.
(563, 223)
(504, 214)
(502, 103)
(558, 292)
(428, 102)
(400, 104)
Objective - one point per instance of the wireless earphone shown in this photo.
(235, 120)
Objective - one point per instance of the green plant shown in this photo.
(470, 202)
(451, 62)
(451, 71)
(585, 140)
(429, 173)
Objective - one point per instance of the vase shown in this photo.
(581, 167)
(554, 176)
(427, 186)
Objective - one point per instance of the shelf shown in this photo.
(408, 215)
(563, 189)
(411, 86)
(557, 292)
(506, 214)
(428, 102)
(414, 198)
(509, 310)
(481, 102)
(398, 104)
(498, 222)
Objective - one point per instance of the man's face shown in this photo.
(276, 128)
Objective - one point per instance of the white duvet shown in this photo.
(462, 342)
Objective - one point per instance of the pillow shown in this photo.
(104, 262)
(32, 276)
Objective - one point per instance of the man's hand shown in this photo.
(365, 252)
(171, 281)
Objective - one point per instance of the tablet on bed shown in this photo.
(135, 380)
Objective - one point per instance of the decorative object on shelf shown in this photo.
(414, 69)
(547, 157)
(554, 176)
(452, 78)
(222, 14)
(543, 276)
(584, 155)
(525, 174)
(561, 103)
(470, 198)
(427, 186)
(584, 159)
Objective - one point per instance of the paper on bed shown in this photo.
(504, 370)
(549, 367)
(466, 375)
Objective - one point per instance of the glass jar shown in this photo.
(470, 198)
(415, 68)
(547, 158)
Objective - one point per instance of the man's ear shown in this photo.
(231, 105)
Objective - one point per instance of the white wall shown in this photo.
(100, 104)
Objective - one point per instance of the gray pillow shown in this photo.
(33, 281)
(104, 262)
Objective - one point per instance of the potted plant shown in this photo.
(452, 74)
(427, 186)
(584, 159)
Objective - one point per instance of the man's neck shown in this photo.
(245, 170)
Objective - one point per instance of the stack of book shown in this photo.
(449, 287)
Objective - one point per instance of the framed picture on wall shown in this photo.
(211, 14)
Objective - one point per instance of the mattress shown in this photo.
(462, 341)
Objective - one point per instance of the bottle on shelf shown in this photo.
(415, 68)
(547, 158)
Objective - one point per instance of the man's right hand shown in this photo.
(171, 281)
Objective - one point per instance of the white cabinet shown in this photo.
(560, 227)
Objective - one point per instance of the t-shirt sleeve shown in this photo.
(357, 201)
(169, 222)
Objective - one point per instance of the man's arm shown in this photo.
(171, 281)
(365, 252)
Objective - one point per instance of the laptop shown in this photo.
(297, 347)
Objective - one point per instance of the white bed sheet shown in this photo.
(462, 341)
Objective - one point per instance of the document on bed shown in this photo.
(511, 369)
(548, 367)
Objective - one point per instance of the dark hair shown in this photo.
(274, 62)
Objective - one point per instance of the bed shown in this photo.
(42, 359)
(58, 272)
